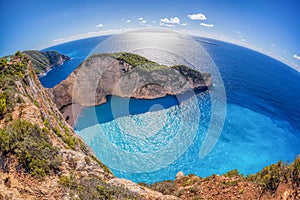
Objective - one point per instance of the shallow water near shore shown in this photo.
(151, 141)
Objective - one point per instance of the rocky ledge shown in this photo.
(44, 61)
(126, 75)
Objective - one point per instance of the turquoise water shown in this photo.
(149, 141)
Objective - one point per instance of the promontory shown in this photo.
(125, 75)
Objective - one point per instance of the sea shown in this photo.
(249, 119)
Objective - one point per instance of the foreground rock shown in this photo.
(278, 181)
(125, 75)
(44, 61)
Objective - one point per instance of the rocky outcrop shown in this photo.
(55, 58)
(125, 75)
(44, 61)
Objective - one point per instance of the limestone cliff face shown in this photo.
(55, 58)
(77, 173)
(120, 75)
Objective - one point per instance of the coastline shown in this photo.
(71, 113)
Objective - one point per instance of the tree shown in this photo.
(18, 53)
(3, 62)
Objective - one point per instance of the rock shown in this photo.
(179, 175)
(55, 58)
(286, 195)
(106, 74)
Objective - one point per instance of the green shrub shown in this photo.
(232, 173)
(187, 181)
(230, 183)
(3, 62)
(18, 53)
(269, 178)
(165, 187)
(294, 169)
(36, 103)
(94, 188)
(17, 68)
(32, 148)
(8, 118)
(2, 104)
(69, 182)
(46, 123)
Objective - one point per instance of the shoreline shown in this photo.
(71, 112)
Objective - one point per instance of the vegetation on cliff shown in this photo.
(44, 61)
(138, 61)
(10, 71)
(31, 146)
(277, 181)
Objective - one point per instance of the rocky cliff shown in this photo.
(44, 61)
(40, 155)
(125, 75)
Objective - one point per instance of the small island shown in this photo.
(125, 75)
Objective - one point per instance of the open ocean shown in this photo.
(261, 127)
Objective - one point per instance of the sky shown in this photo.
(271, 27)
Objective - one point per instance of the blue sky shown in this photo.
(269, 26)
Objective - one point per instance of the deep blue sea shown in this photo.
(152, 140)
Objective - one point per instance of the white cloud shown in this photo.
(172, 20)
(143, 22)
(207, 25)
(183, 24)
(273, 45)
(243, 39)
(128, 21)
(296, 57)
(99, 25)
(153, 22)
(238, 32)
(141, 18)
(284, 51)
(167, 25)
(198, 16)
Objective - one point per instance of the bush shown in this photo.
(269, 178)
(66, 138)
(2, 104)
(232, 173)
(32, 148)
(294, 169)
(3, 62)
(94, 188)
(18, 53)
